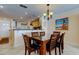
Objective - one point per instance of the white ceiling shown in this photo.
(33, 10)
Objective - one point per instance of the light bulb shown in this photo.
(26, 13)
(51, 13)
(44, 14)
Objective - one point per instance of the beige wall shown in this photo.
(72, 34)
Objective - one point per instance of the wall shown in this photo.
(72, 34)
(21, 25)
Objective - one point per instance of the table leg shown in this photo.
(43, 48)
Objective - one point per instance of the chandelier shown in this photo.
(48, 14)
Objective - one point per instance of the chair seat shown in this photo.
(36, 44)
(29, 46)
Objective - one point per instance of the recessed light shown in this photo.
(26, 13)
(1, 6)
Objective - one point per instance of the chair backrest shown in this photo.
(62, 37)
(56, 33)
(42, 33)
(26, 40)
(35, 35)
(53, 41)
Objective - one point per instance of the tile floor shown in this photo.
(5, 50)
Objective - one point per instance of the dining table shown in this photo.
(43, 47)
(42, 43)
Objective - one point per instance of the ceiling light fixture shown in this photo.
(48, 14)
(44, 14)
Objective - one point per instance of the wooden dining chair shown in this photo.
(28, 46)
(35, 35)
(42, 33)
(56, 33)
(51, 44)
(60, 43)
(63, 42)
(53, 41)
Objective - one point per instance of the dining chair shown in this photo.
(28, 46)
(60, 43)
(56, 33)
(35, 35)
(51, 44)
(42, 33)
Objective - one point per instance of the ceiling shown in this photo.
(33, 10)
(15, 11)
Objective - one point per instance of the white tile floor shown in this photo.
(5, 50)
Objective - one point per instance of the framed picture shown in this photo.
(61, 24)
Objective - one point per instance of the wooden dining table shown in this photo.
(42, 43)
(43, 47)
